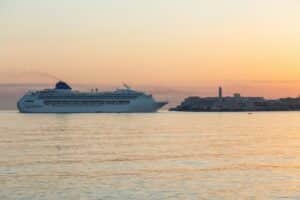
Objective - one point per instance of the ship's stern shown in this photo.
(20, 104)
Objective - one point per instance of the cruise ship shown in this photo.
(63, 99)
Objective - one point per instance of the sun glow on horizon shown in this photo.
(168, 43)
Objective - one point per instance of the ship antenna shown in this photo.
(126, 86)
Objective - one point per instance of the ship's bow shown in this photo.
(160, 104)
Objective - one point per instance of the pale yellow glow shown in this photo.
(174, 43)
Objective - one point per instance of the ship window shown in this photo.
(84, 102)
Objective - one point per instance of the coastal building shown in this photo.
(237, 102)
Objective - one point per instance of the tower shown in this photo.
(220, 92)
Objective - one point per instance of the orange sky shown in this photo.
(249, 46)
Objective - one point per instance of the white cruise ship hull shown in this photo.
(62, 99)
(135, 106)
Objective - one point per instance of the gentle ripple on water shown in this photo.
(162, 155)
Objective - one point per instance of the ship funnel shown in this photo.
(60, 85)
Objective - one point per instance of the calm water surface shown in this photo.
(150, 156)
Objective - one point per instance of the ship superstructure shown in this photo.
(62, 99)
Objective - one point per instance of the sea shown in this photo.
(164, 155)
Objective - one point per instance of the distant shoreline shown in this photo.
(232, 111)
(237, 103)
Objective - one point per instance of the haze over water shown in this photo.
(248, 46)
(163, 155)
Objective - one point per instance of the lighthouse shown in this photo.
(220, 93)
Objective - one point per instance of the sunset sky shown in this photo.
(252, 46)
